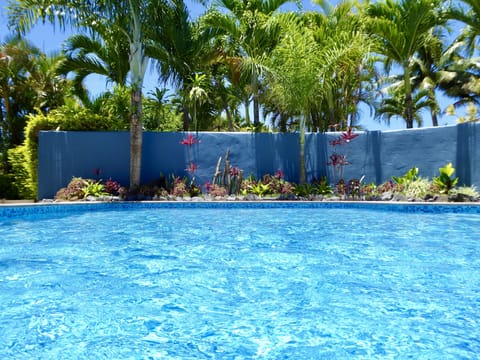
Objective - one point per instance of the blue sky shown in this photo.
(50, 40)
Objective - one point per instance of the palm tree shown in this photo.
(402, 28)
(50, 87)
(182, 49)
(87, 55)
(294, 82)
(135, 18)
(197, 94)
(470, 16)
(393, 106)
(251, 30)
(17, 96)
(315, 68)
(341, 35)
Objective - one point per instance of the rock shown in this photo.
(440, 198)
(386, 196)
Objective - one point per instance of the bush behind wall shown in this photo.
(23, 159)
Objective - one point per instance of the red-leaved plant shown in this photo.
(339, 160)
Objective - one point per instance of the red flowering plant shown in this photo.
(190, 140)
(192, 167)
(338, 160)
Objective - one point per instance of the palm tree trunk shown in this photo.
(186, 119)
(303, 177)
(433, 110)
(228, 113)
(256, 111)
(136, 138)
(408, 98)
(434, 118)
(247, 112)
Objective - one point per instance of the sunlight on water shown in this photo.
(238, 283)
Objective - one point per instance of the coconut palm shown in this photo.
(135, 18)
(402, 28)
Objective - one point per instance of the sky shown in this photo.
(50, 40)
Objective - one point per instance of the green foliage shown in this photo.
(464, 193)
(19, 159)
(417, 188)
(304, 190)
(445, 181)
(259, 189)
(317, 187)
(93, 188)
(410, 175)
(24, 158)
(8, 189)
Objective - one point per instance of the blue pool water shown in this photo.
(240, 283)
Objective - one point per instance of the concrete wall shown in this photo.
(375, 155)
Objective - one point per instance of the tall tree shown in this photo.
(182, 49)
(17, 97)
(135, 18)
(295, 78)
(402, 28)
(340, 33)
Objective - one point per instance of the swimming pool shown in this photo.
(230, 281)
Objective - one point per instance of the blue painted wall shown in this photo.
(375, 155)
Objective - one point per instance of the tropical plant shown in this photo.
(409, 176)
(73, 191)
(445, 182)
(467, 12)
(338, 159)
(252, 30)
(90, 54)
(17, 95)
(93, 188)
(135, 18)
(417, 188)
(401, 29)
(182, 49)
(393, 105)
(159, 114)
(197, 94)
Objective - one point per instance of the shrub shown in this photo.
(8, 190)
(179, 188)
(216, 190)
(22, 172)
(417, 189)
(74, 190)
(445, 182)
(24, 158)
